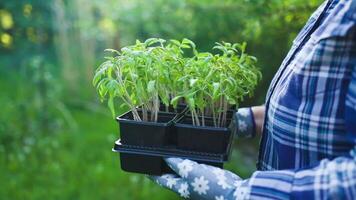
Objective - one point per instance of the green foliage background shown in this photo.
(55, 136)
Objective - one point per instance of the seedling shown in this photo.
(212, 84)
(149, 73)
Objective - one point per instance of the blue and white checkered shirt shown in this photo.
(310, 122)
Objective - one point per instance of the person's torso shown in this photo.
(305, 103)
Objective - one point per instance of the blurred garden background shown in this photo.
(56, 136)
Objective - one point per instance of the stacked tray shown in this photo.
(143, 145)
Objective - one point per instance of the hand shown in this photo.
(247, 122)
(242, 123)
(199, 181)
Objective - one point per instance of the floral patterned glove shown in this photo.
(243, 123)
(200, 181)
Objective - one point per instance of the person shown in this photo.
(307, 125)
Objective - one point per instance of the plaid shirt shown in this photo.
(310, 122)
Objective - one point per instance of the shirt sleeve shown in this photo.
(245, 123)
(330, 179)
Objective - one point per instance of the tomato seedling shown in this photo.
(155, 72)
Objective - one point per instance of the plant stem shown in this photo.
(202, 117)
(133, 109)
(135, 114)
(214, 117)
(196, 117)
(151, 108)
(219, 111)
(156, 107)
(128, 101)
(193, 120)
(144, 113)
(224, 113)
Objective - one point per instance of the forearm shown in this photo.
(331, 179)
(259, 116)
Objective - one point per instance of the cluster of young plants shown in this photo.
(155, 72)
(213, 83)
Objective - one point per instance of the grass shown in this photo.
(73, 165)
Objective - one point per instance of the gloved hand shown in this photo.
(243, 123)
(199, 181)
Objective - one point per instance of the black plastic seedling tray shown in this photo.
(152, 134)
(207, 138)
(150, 161)
(143, 145)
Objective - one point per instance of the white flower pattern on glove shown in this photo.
(171, 182)
(241, 193)
(237, 183)
(242, 126)
(183, 190)
(243, 123)
(218, 172)
(185, 167)
(199, 181)
(244, 112)
(200, 185)
(219, 197)
(220, 175)
(223, 184)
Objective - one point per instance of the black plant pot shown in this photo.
(206, 138)
(150, 160)
(150, 134)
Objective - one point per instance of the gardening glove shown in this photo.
(243, 123)
(200, 181)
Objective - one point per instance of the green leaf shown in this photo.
(216, 88)
(184, 46)
(175, 42)
(175, 100)
(111, 106)
(191, 102)
(112, 51)
(187, 41)
(151, 41)
(151, 86)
